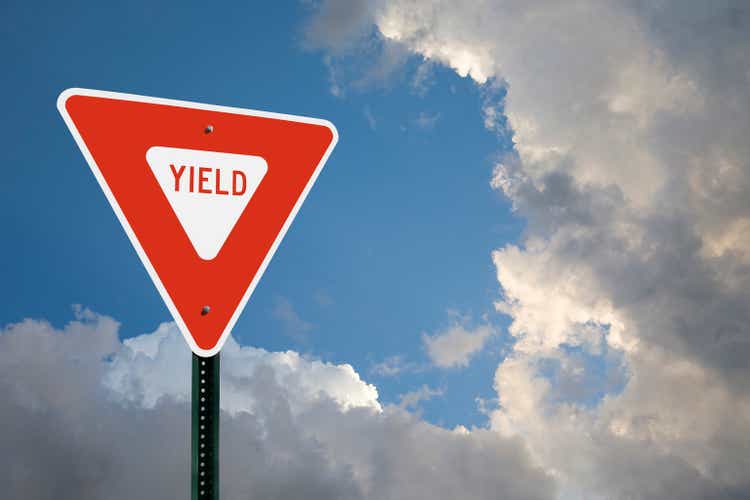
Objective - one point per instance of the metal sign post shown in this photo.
(204, 480)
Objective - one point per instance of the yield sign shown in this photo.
(205, 193)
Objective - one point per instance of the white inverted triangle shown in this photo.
(205, 213)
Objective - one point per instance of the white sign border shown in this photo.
(66, 94)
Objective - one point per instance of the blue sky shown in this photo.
(393, 242)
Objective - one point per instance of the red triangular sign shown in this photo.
(205, 193)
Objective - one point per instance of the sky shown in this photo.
(523, 273)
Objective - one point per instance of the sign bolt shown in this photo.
(205, 310)
(208, 129)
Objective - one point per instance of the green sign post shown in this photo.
(204, 480)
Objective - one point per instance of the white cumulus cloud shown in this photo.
(84, 415)
(631, 164)
(454, 346)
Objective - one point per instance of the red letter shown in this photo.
(218, 183)
(192, 178)
(177, 174)
(236, 191)
(202, 179)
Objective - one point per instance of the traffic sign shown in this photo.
(205, 193)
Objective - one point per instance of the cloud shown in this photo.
(631, 165)
(394, 365)
(337, 26)
(356, 56)
(323, 298)
(292, 324)
(426, 121)
(413, 398)
(84, 415)
(454, 346)
(152, 366)
(423, 78)
(371, 122)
